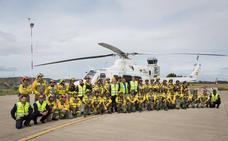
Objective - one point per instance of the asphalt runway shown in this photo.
(173, 125)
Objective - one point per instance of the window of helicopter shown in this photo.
(156, 70)
(149, 72)
(91, 73)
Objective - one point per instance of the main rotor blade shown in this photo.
(74, 59)
(158, 54)
(114, 49)
(205, 54)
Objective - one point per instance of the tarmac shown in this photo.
(201, 124)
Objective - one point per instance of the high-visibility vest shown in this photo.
(114, 89)
(22, 109)
(124, 87)
(62, 89)
(81, 90)
(134, 85)
(214, 97)
(41, 107)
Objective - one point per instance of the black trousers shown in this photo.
(215, 104)
(113, 103)
(24, 120)
(36, 115)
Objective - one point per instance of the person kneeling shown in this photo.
(41, 109)
(121, 103)
(52, 102)
(22, 112)
(64, 107)
(75, 105)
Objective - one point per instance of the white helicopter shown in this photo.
(124, 67)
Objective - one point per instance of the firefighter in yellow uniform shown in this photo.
(108, 103)
(99, 87)
(141, 101)
(131, 100)
(150, 100)
(151, 84)
(107, 86)
(52, 102)
(41, 109)
(141, 85)
(22, 112)
(171, 99)
(71, 88)
(170, 85)
(39, 86)
(25, 88)
(64, 107)
(81, 89)
(114, 89)
(190, 100)
(96, 102)
(164, 101)
(178, 99)
(215, 99)
(184, 87)
(62, 88)
(87, 101)
(121, 103)
(102, 106)
(147, 86)
(75, 105)
(124, 88)
(134, 86)
(51, 89)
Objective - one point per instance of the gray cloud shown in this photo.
(7, 69)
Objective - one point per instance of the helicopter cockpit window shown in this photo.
(91, 73)
(102, 75)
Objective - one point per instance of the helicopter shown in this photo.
(124, 66)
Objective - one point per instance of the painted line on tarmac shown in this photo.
(46, 131)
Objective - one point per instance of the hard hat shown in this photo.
(39, 75)
(61, 81)
(52, 81)
(24, 78)
(170, 80)
(72, 79)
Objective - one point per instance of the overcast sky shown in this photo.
(72, 28)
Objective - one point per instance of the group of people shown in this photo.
(54, 101)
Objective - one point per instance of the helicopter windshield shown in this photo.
(91, 73)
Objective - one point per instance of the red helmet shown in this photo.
(63, 96)
(24, 78)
